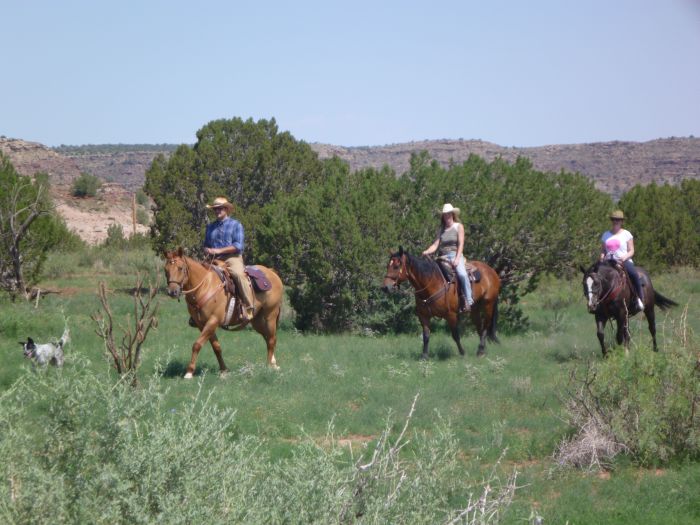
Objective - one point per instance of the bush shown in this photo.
(141, 197)
(142, 217)
(646, 404)
(86, 185)
(107, 453)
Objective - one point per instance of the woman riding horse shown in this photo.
(618, 246)
(449, 245)
(435, 297)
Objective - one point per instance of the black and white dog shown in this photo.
(46, 353)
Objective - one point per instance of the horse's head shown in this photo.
(596, 285)
(395, 271)
(176, 272)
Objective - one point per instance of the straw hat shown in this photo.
(220, 202)
(617, 214)
(448, 208)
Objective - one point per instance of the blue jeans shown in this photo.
(462, 277)
(634, 277)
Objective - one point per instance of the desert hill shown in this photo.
(614, 167)
(88, 217)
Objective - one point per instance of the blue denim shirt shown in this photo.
(221, 234)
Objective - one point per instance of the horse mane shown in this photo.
(424, 268)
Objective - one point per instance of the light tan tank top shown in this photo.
(449, 240)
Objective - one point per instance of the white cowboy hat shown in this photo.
(220, 202)
(448, 208)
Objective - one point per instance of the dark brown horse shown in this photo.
(207, 302)
(609, 294)
(437, 298)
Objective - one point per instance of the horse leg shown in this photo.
(425, 323)
(481, 329)
(623, 332)
(600, 332)
(267, 327)
(205, 334)
(216, 346)
(453, 323)
(651, 321)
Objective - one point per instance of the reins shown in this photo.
(609, 295)
(202, 301)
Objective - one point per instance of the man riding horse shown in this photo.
(224, 241)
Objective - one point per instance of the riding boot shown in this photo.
(463, 305)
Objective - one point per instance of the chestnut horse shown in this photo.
(436, 298)
(207, 302)
(609, 296)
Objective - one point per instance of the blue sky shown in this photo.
(354, 73)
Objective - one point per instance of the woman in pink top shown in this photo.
(618, 245)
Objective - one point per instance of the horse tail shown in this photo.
(491, 332)
(663, 302)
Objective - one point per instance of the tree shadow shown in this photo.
(144, 290)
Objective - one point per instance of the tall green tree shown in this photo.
(663, 220)
(330, 242)
(248, 162)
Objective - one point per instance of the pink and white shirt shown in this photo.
(616, 245)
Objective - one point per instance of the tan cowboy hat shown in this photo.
(617, 214)
(448, 208)
(220, 202)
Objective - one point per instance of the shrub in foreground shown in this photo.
(77, 448)
(646, 404)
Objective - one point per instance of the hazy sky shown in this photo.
(517, 73)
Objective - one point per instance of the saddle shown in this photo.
(256, 277)
(450, 275)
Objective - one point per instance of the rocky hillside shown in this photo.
(88, 217)
(125, 164)
(614, 166)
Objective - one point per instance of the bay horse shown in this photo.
(609, 293)
(435, 297)
(207, 301)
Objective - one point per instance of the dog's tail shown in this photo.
(64, 338)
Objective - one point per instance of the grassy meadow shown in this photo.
(346, 388)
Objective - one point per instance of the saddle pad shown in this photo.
(257, 277)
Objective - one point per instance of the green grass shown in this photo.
(510, 399)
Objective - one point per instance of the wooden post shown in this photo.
(133, 212)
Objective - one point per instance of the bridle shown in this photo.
(403, 273)
(611, 294)
(181, 283)
(403, 276)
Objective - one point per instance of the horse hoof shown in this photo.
(480, 353)
(223, 374)
(274, 366)
(188, 375)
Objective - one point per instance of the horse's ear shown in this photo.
(180, 253)
(583, 270)
(166, 254)
(30, 341)
(400, 251)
